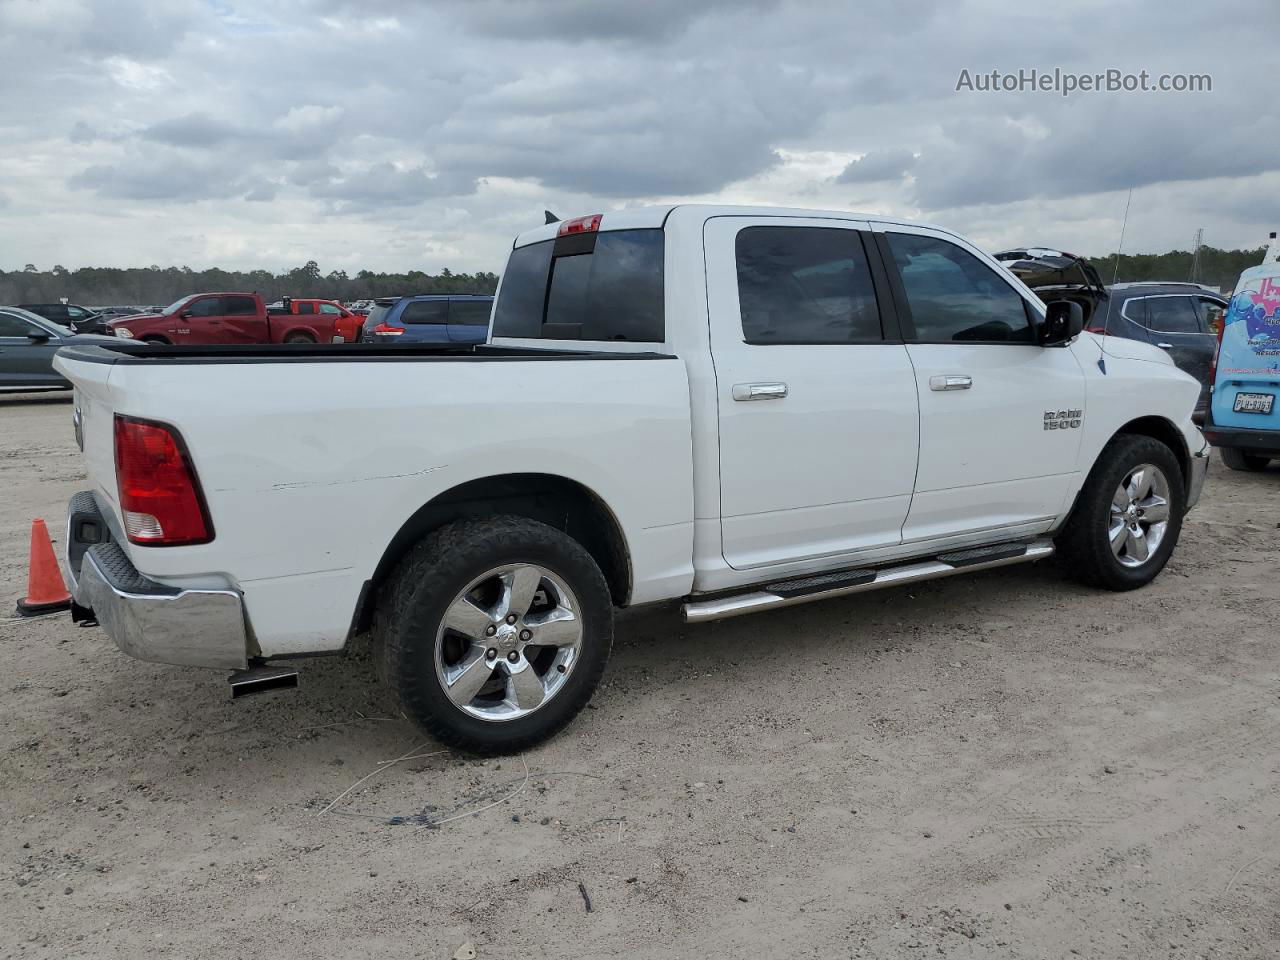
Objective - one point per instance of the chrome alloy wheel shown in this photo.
(508, 642)
(1139, 515)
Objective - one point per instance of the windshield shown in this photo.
(174, 307)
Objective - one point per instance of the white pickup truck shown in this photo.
(741, 408)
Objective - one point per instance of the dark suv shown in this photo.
(75, 318)
(1181, 318)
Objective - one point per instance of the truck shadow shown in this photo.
(169, 725)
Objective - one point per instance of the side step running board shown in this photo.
(260, 679)
(806, 589)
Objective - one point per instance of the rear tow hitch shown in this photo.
(262, 679)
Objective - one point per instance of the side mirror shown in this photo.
(39, 337)
(1063, 321)
(185, 315)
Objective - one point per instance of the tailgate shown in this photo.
(94, 416)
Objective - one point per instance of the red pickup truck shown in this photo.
(227, 318)
(346, 324)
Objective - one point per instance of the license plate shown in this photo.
(1254, 402)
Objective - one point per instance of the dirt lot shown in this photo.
(1000, 766)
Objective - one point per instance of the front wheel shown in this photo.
(299, 338)
(1239, 460)
(1127, 518)
(494, 633)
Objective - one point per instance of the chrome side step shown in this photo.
(260, 679)
(807, 589)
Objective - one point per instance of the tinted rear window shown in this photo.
(376, 314)
(606, 286)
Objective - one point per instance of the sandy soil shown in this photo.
(1000, 766)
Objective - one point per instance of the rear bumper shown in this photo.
(1262, 441)
(149, 620)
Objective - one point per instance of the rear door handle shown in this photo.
(1165, 346)
(759, 391)
(950, 381)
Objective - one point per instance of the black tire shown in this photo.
(1237, 459)
(412, 604)
(299, 338)
(1084, 548)
(156, 341)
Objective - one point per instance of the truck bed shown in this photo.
(310, 471)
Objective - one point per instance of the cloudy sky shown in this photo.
(392, 134)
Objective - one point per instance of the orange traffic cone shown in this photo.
(46, 590)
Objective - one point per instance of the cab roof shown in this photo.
(642, 218)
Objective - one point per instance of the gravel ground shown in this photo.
(1004, 765)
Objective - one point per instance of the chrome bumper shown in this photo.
(1199, 472)
(152, 621)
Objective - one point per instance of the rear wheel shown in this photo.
(494, 633)
(1127, 518)
(1239, 460)
(299, 338)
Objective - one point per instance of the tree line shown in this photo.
(1219, 268)
(144, 286)
(148, 286)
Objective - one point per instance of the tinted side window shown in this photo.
(206, 307)
(1172, 315)
(239, 306)
(471, 313)
(11, 326)
(305, 308)
(426, 311)
(604, 286)
(952, 295)
(330, 310)
(1136, 310)
(805, 285)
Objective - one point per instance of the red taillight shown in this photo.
(159, 494)
(1213, 364)
(580, 225)
(388, 329)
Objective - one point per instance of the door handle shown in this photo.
(759, 391)
(1165, 346)
(950, 381)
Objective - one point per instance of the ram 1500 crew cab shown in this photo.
(741, 408)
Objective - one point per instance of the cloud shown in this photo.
(384, 184)
(878, 165)
(381, 132)
(572, 20)
(308, 118)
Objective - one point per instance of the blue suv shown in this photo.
(429, 318)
